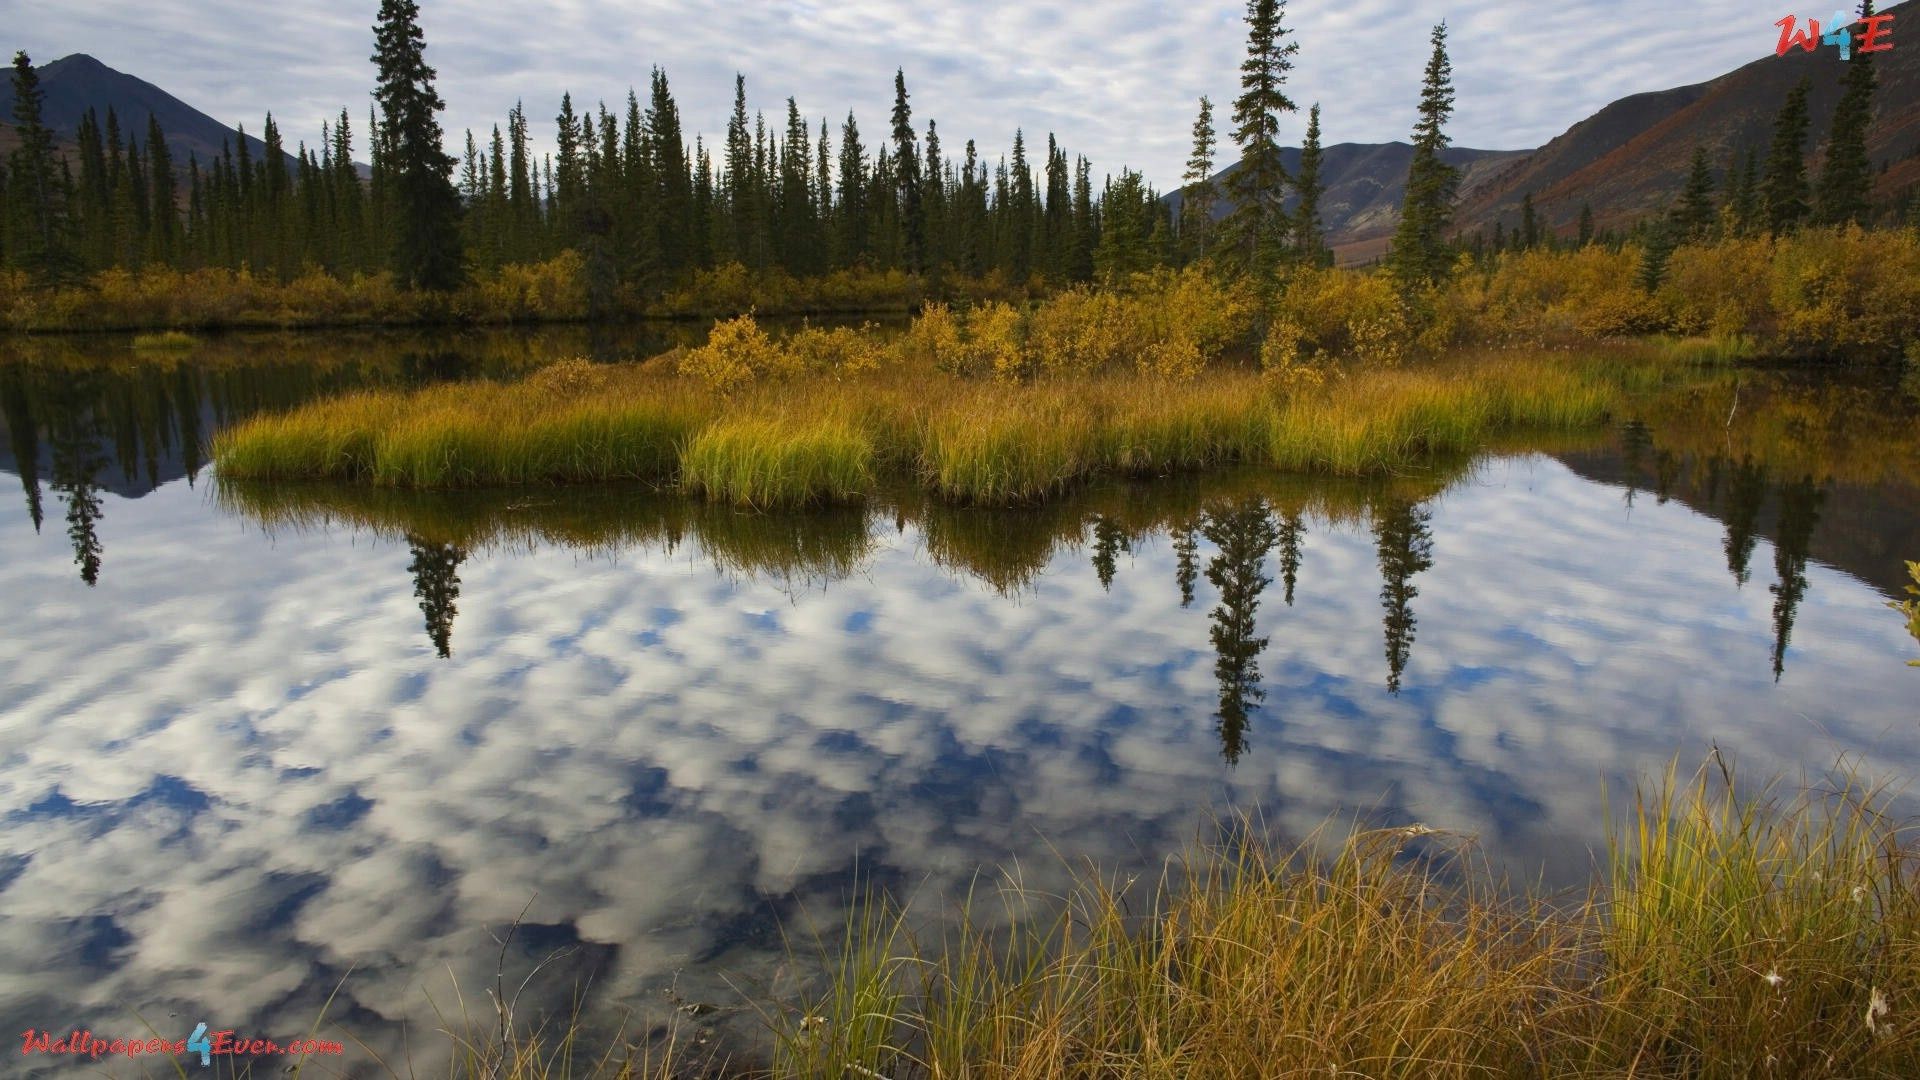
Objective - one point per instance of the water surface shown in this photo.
(256, 739)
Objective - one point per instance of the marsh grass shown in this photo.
(1729, 933)
(1730, 936)
(779, 460)
(815, 440)
(165, 341)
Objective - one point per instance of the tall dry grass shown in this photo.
(828, 434)
(1733, 935)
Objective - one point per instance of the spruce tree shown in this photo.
(36, 197)
(427, 252)
(1256, 230)
(906, 168)
(163, 234)
(1658, 249)
(1743, 200)
(1086, 222)
(1693, 215)
(1846, 182)
(1785, 189)
(1420, 253)
(1586, 224)
(853, 218)
(739, 174)
(1309, 242)
(1058, 231)
(1198, 196)
(1529, 224)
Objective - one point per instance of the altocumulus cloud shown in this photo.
(219, 796)
(1115, 81)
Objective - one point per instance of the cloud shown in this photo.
(224, 788)
(1117, 82)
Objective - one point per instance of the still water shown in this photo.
(260, 744)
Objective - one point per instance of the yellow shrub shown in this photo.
(1848, 290)
(1081, 331)
(569, 378)
(1178, 357)
(737, 352)
(1217, 315)
(1721, 289)
(933, 339)
(1342, 313)
(993, 341)
(840, 351)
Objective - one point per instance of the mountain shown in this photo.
(1631, 158)
(73, 84)
(1362, 185)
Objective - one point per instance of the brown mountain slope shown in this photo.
(1630, 159)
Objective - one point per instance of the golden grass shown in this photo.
(1733, 937)
(165, 341)
(818, 439)
(1731, 934)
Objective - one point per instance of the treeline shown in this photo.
(785, 215)
(643, 209)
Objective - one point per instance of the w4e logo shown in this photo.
(1873, 38)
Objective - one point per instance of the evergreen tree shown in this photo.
(163, 234)
(906, 167)
(1405, 545)
(853, 217)
(1693, 215)
(1743, 200)
(1198, 196)
(436, 582)
(1020, 212)
(1309, 241)
(1586, 224)
(1420, 254)
(36, 198)
(1057, 234)
(669, 197)
(1128, 211)
(427, 252)
(1658, 249)
(1529, 224)
(1785, 188)
(1256, 229)
(1086, 222)
(1244, 535)
(1846, 182)
(739, 176)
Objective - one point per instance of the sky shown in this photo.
(1117, 81)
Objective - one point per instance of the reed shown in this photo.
(821, 438)
(1731, 936)
(764, 462)
(165, 341)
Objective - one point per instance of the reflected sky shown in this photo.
(272, 742)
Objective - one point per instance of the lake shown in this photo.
(263, 743)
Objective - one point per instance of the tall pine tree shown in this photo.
(1198, 196)
(1420, 255)
(1785, 189)
(427, 252)
(1308, 241)
(1256, 230)
(1846, 182)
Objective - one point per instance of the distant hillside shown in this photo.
(73, 84)
(1364, 182)
(1630, 159)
